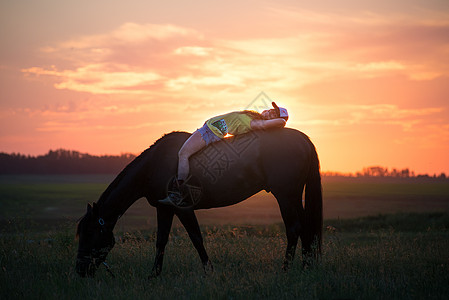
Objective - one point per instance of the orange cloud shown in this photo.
(139, 58)
(95, 79)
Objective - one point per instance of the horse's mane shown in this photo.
(132, 164)
(138, 159)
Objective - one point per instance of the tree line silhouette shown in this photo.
(379, 172)
(63, 161)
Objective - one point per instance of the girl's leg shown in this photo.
(178, 194)
(193, 144)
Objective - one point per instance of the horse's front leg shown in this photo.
(164, 222)
(190, 223)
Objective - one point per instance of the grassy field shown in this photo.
(383, 239)
(385, 257)
(53, 200)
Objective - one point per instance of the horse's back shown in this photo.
(229, 170)
(287, 156)
(235, 169)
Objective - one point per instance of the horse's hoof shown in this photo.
(285, 266)
(154, 274)
(208, 268)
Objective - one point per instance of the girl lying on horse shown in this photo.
(214, 130)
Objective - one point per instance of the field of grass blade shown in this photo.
(386, 256)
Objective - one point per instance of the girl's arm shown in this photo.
(265, 124)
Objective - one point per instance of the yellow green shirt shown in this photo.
(233, 123)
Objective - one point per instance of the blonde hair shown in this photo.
(253, 114)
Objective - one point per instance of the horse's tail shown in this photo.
(314, 207)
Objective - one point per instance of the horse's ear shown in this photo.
(95, 209)
(89, 209)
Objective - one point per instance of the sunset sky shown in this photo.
(368, 81)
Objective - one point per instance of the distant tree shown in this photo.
(62, 161)
(375, 171)
(405, 173)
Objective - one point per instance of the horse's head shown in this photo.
(95, 241)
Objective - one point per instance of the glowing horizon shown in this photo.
(367, 82)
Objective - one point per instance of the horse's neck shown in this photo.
(126, 189)
(113, 207)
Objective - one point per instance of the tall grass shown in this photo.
(368, 258)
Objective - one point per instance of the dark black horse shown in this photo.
(280, 161)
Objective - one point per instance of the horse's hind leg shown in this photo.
(190, 223)
(290, 208)
(164, 222)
